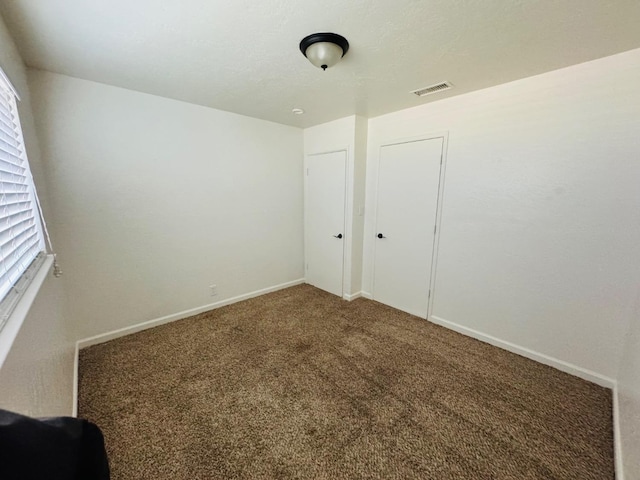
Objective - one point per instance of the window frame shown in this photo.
(14, 309)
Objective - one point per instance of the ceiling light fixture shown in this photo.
(297, 111)
(324, 50)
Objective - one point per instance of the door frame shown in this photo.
(346, 235)
(444, 135)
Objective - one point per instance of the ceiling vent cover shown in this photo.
(438, 87)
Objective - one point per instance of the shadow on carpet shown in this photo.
(299, 384)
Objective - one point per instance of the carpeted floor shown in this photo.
(300, 384)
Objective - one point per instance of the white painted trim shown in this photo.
(348, 214)
(343, 149)
(12, 89)
(390, 141)
(617, 440)
(76, 361)
(105, 337)
(436, 238)
(526, 352)
(11, 329)
(353, 296)
(444, 135)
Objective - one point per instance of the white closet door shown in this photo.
(409, 176)
(325, 210)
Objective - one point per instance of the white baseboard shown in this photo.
(566, 367)
(617, 440)
(105, 337)
(525, 352)
(351, 297)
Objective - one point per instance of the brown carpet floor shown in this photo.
(300, 384)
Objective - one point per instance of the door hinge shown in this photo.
(434, 229)
(429, 294)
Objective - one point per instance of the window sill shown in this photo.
(11, 329)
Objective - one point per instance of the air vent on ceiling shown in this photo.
(438, 87)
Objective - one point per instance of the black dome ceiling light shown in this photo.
(324, 50)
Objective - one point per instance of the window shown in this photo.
(21, 239)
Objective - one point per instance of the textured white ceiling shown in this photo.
(242, 55)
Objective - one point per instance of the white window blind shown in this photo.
(21, 239)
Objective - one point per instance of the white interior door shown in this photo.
(325, 211)
(408, 180)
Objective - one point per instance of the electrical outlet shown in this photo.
(213, 289)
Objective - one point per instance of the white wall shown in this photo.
(157, 199)
(349, 134)
(541, 208)
(359, 189)
(36, 377)
(629, 398)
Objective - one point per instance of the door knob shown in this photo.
(338, 235)
(381, 236)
